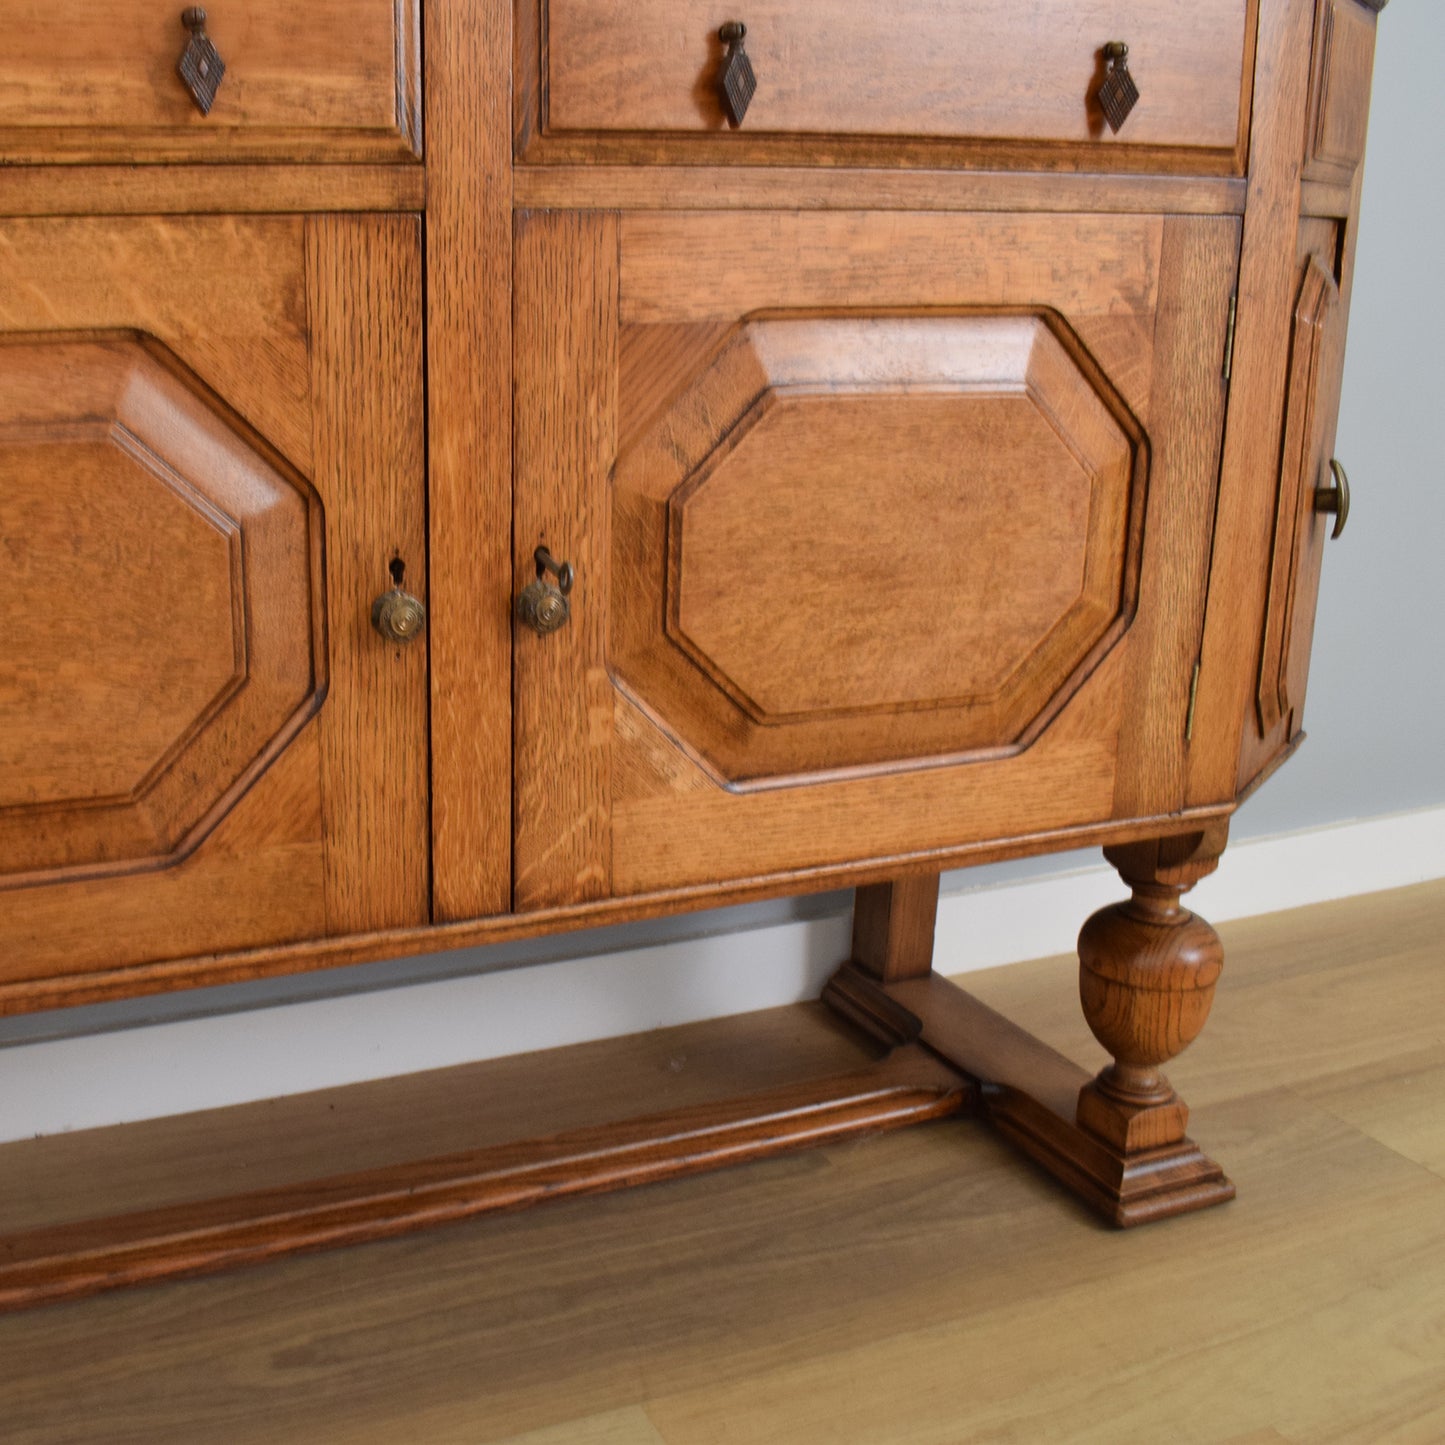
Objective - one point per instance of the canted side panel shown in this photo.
(1315, 366)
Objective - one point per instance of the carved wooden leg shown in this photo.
(1147, 970)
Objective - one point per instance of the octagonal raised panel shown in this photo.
(867, 540)
(165, 618)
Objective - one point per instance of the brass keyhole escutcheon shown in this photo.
(542, 604)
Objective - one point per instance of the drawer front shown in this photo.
(990, 70)
(326, 80)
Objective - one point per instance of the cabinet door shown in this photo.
(1312, 395)
(210, 446)
(888, 532)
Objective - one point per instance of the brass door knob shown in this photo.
(542, 604)
(398, 616)
(1335, 499)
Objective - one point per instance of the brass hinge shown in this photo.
(1193, 703)
(1229, 336)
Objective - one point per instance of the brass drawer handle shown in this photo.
(200, 67)
(1117, 94)
(1335, 499)
(543, 605)
(738, 83)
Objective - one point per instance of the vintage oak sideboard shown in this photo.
(623, 456)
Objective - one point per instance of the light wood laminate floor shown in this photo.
(921, 1288)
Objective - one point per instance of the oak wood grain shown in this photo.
(1267, 281)
(850, 188)
(1034, 1097)
(1198, 262)
(197, 189)
(258, 881)
(673, 835)
(126, 482)
(1300, 464)
(224, 294)
(566, 333)
(706, 703)
(103, 86)
(1082, 265)
(364, 276)
(639, 274)
(893, 926)
(1324, 268)
(653, 66)
(223, 402)
(97, 979)
(1339, 107)
(241, 348)
(469, 425)
(846, 540)
(644, 87)
(70, 1261)
(278, 1144)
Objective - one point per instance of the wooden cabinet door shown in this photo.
(889, 534)
(210, 464)
(1312, 397)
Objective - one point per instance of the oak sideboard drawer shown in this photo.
(331, 80)
(830, 71)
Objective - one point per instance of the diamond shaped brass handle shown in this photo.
(1117, 95)
(1335, 499)
(200, 67)
(738, 83)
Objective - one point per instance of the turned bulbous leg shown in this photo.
(1147, 970)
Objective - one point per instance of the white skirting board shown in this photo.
(199, 1063)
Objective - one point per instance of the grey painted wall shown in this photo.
(1377, 689)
